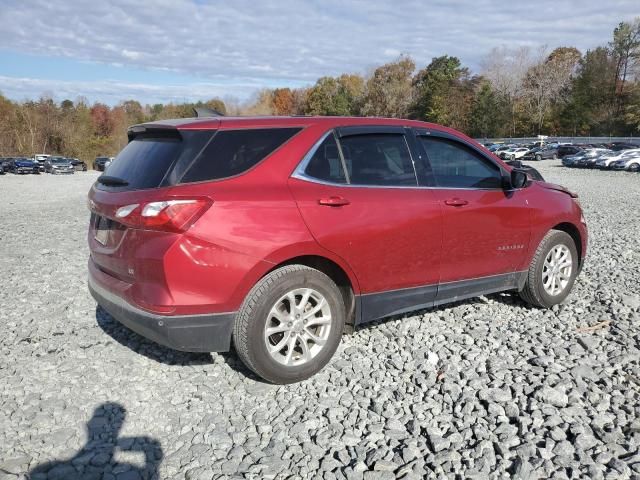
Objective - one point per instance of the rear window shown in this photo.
(232, 152)
(147, 160)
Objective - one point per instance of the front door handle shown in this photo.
(456, 202)
(334, 201)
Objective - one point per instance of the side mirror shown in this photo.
(519, 178)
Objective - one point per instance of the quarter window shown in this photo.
(378, 159)
(457, 166)
(231, 152)
(325, 164)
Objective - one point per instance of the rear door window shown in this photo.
(378, 159)
(232, 152)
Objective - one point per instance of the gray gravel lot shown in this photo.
(486, 388)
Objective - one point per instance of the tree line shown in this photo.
(518, 92)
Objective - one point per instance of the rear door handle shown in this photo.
(334, 201)
(456, 202)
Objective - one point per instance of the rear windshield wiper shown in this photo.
(114, 181)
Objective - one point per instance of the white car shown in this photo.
(608, 160)
(630, 162)
(514, 153)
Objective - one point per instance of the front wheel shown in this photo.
(634, 167)
(538, 158)
(290, 324)
(552, 272)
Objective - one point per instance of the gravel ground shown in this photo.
(486, 388)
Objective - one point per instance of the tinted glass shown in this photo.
(378, 159)
(325, 163)
(232, 152)
(147, 159)
(456, 166)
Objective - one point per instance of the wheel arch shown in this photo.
(573, 231)
(348, 288)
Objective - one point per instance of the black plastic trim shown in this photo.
(373, 306)
(188, 333)
(369, 130)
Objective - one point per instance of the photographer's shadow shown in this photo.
(96, 460)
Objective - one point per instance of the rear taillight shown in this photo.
(175, 215)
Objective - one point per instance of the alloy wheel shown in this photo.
(557, 270)
(298, 326)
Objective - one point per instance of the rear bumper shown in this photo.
(188, 333)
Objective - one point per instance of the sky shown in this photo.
(159, 51)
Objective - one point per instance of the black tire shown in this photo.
(248, 330)
(538, 158)
(634, 167)
(533, 291)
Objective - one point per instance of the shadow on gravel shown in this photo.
(96, 460)
(142, 346)
(162, 354)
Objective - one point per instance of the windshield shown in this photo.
(59, 160)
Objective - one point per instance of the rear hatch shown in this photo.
(139, 207)
(140, 174)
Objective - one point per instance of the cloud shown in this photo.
(113, 92)
(292, 42)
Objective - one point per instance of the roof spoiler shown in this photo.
(206, 112)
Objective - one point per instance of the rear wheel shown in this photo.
(634, 167)
(290, 324)
(552, 271)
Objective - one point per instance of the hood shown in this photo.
(559, 188)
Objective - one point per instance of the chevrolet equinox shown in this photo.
(277, 234)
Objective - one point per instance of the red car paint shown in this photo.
(383, 239)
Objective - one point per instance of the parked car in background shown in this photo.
(588, 157)
(21, 165)
(514, 153)
(275, 232)
(40, 158)
(605, 160)
(5, 165)
(564, 150)
(501, 149)
(99, 163)
(630, 163)
(78, 165)
(621, 155)
(618, 146)
(58, 165)
(541, 153)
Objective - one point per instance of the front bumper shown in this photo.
(188, 333)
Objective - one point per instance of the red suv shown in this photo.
(279, 233)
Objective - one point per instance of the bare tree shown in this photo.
(547, 81)
(505, 69)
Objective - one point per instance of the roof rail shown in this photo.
(206, 112)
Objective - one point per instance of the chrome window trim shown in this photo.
(306, 178)
(299, 171)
